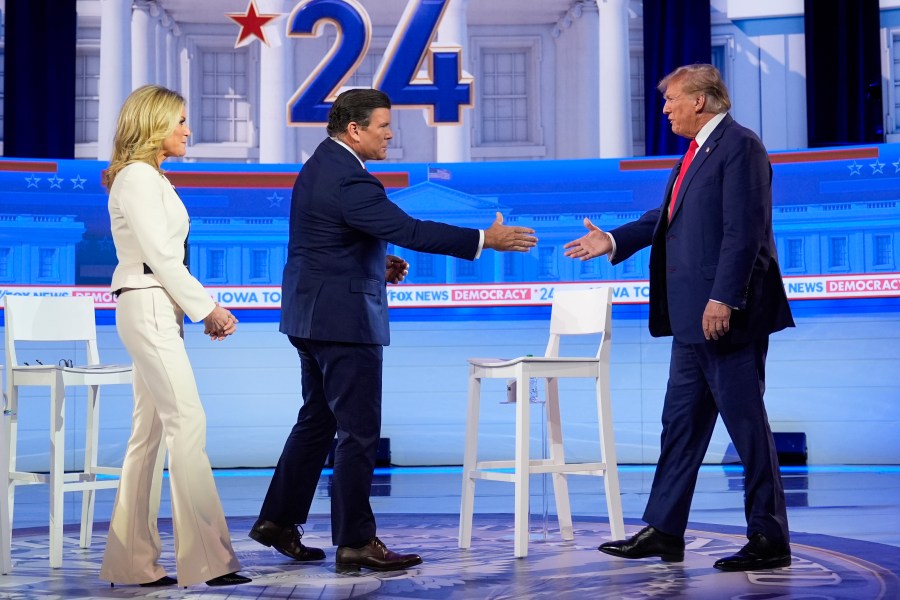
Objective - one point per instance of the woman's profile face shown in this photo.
(176, 144)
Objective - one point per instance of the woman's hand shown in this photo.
(220, 323)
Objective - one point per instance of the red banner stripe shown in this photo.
(196, 179)
(800, 156)
(29, 166)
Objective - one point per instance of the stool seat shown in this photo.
(574, 312)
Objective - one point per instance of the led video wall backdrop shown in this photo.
(836, 221)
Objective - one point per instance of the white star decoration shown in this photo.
(55, 182)
(896, 166)
(877, 167)
(854, 168)
(274, 200)
(32, 181)
(78, 182)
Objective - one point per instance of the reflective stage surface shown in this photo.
(845, 523)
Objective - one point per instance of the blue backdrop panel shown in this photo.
(836, 213)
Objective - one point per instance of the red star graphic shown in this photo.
(251, 23)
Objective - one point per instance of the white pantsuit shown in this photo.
(149, 226)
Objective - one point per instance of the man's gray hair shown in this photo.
(700, 79)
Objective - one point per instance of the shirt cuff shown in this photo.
(480, 244)
(722, 303)
(612, 253)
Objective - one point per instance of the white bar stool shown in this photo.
(574, 312)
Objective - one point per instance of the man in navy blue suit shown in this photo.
(334, 310)
(715, 286)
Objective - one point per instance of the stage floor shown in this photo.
(845, 523)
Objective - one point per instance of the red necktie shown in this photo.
(685, 163)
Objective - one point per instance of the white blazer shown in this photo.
(149, 225)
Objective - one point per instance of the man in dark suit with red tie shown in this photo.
(334, 310)
(715, 286)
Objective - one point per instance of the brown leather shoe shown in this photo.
(374, 555)
(285, 539)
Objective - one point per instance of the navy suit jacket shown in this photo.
(719, 244)
(334, 285)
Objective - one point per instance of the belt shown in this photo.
(149, 271)
(121, 291)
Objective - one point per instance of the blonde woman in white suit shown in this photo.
(155, 291)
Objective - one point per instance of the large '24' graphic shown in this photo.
(443, 90)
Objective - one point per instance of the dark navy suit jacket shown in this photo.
(719, 244)
(341, 220)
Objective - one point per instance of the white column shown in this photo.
(161, 31)
(615, 83)
(172, 81)
(454, 143)
(143, 45)
(115, 67)
(577, 53)
(276, 84)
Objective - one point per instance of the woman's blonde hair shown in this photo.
(148, 116)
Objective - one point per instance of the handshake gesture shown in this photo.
(219, 324)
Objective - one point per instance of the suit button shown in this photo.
(671, 269)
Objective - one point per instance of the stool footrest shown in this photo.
(537, 466)
(27, 477)
(492, 476)
(80, 486)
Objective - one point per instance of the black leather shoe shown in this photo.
(646, 543)
(228, 579)
(757, 555)
(284, 539)
(161, 582)
(374, 555)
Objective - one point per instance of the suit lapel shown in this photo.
(703, 152)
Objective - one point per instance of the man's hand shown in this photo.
(716, 320)
(506, 238)
(219, 324)
(395, 269)
(594, 243)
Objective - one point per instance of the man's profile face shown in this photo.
(372, 140)
(681, 109)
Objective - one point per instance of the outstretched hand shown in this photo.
(594, 243)
(507, 238)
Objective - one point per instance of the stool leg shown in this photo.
(57, 467)
(91, 439)
(558, 458)
(470, 457)
(6, 493)
(608, 448)
(13, 405)
(522, 471)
